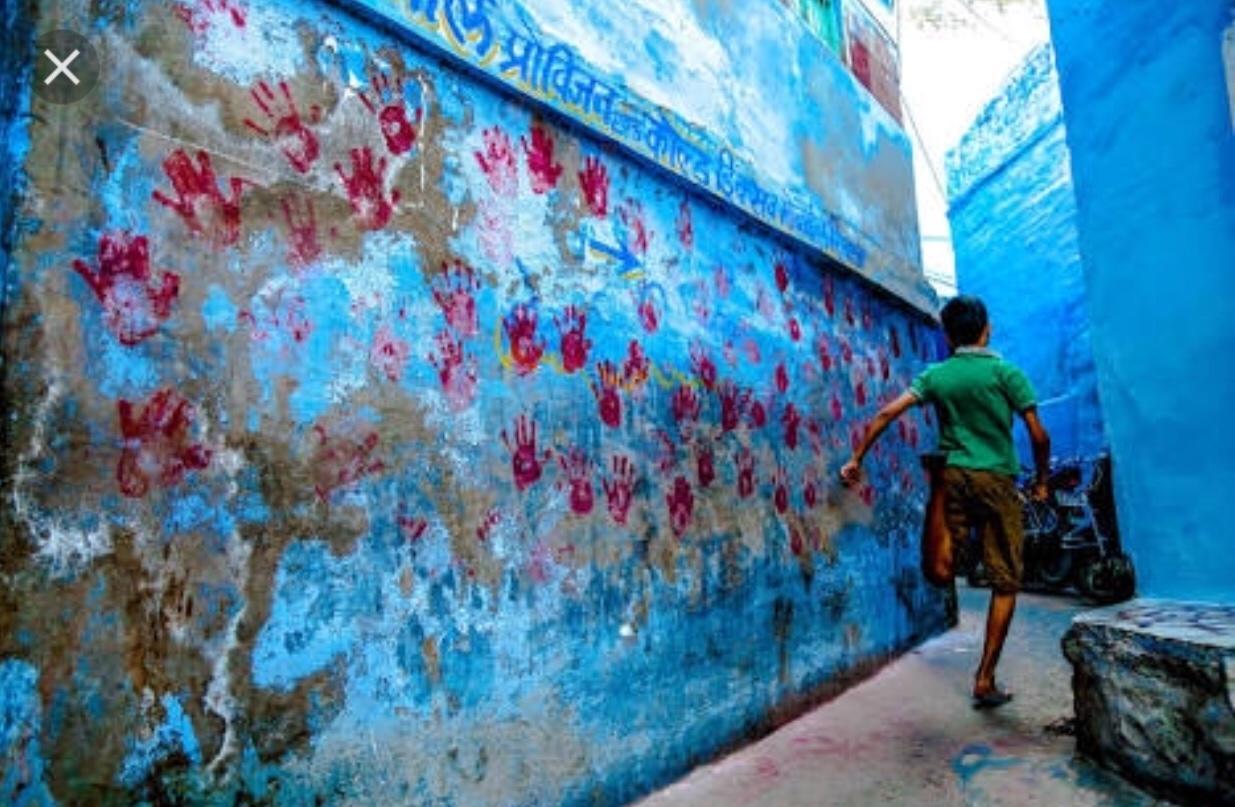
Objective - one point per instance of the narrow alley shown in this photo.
(908, 736)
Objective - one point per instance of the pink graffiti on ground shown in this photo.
(134, 304)
(201, 15)
(540, 165)
(606, 392)
(791, 419)
(705, 465)
(686, 405)
(497, 161)
(343, 458)
(157, 447)
(619, 488)
(578, 469)
(734, 401)
(199, 202)
(302, 244)
(638, 237)
(702, 366)
(366, 191)
(594, 180)
(685, 226)
(411, 528)
(525, 463)
(454, 292)
(636, 369)
(284, 126)
(780, 489)
(526, 348)
(746, 472)
(389, 353)
(456, 371)
(398, 130)
(681, 503)
(574, 345)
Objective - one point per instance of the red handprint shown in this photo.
(681, 502)
(825, 353)
(648, 315)
(284, 126)
(578, 469)
(389, 353)
(746, 472)
(525, 348)
(780, 489)
(343, 458)
(791, 419)
(703, 367)
(667, 452)
(637, 235)
(524, 461)
(540, 165)
(705, 465)
(782, 276)
(795, 330)
(810, 488)
(619, 488)
(454, 290)
(606, 393)
(838, 411)
(199, 202)
(199, 18)
(894, 341)
(399, 132)
(782, 379)
(594, 180)
(686, 404)
(157, 447)
(636, 369)
(366, 190)
(734, 401)
(757, 415)
(412, 529)
(303, 247)
(685, 226)
(455, 370)
(572, 326)
(134, 306)
(497, 162)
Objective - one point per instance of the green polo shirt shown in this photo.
(975, 394)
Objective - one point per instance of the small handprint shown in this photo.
(525, 463)
(619, 488)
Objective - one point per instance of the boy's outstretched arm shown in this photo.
(852, 471)
(1041, 442)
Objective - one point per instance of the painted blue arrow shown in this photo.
(622, 254)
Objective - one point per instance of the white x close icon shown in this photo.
(61, 67)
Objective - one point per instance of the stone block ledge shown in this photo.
(1154, 689)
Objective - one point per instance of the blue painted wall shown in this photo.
(378, 432)
(1013, 216)
(1150, 130)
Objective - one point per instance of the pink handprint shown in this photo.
(134, 306)
(366, 190)
(780, 489)
(594, 180)
(399, 132)
(497, 161)
(686, 405)
(199, 202)
(681, 503)
(525, 347)
(619, 488)
(705, 465)
(572, 326)
(157, 447)
(284, 125)
(540, 165)
(454, 291)
(606, 393)
(524, 461)
(455, 370)
(746, 472)
(734, 401)
(578, 469)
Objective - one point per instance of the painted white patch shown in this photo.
(266, 45)
(1228, 58)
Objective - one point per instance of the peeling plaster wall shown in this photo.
(1153, 159)
(372, 437)
(1013, 216)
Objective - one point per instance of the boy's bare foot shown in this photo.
(988, 696)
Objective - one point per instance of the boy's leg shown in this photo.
(1002, 541)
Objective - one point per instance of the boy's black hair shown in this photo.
(964, 319)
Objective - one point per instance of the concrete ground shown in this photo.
(909, 736)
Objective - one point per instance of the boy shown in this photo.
(975, 394)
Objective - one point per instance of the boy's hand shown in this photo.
(851, 473)
(1040, 492)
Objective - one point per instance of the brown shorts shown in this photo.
(988, 502)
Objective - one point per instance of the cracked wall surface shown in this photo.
(373, 434)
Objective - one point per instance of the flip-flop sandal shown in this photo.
(991, 700)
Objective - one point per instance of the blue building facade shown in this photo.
(1147, 100)
(1012, 211)
(441, 402)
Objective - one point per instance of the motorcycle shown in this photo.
(1072, 539)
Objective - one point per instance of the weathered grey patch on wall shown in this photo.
(1228, 58)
